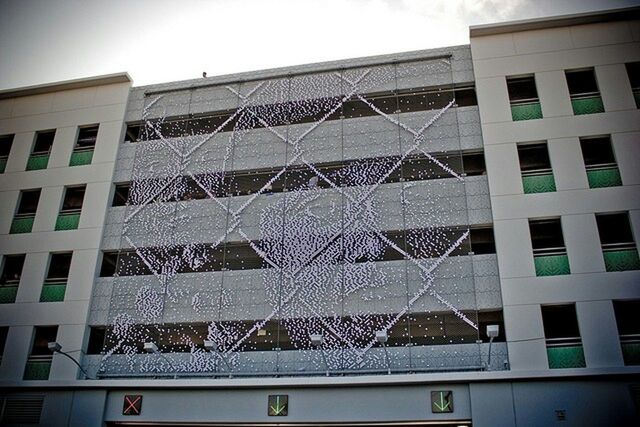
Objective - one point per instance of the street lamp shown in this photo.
(382, 337)
(55, 347)
(212, 346)
(316, 341)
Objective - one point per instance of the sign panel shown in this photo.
(132, 404)
(441, 401)
(278, 405)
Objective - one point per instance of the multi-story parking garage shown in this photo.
(427, 238)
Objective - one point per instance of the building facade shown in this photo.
(430, 238)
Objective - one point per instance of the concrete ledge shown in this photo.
(105, 79)
(623, 14)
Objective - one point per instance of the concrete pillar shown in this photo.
(615, 88)
(525, 337)
(20, 150)
(599, 334)
(567, 163)
(583, 243)
(554, 94)
(62, 147)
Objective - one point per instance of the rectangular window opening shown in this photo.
(600, 162)
(562, 334)
(535, 165)
(633, 71)
(618, 245)
(626, 313)
(584, 92)
(121, 194)
(87, 136)
(59, 266)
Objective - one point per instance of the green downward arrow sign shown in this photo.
(441, 401)
(442, 405)
(278, 405)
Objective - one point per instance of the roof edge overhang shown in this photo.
(623, 14)
(105, 79)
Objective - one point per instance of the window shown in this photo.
(132, 133)
(633, 71)
(96, 339)
(523, 97)
(599, 161)
(6, 141)
(41, 149)
(482, 240)
(55, 284)
(535, 165)
(4, 331)
(39, 361)
(618, 245)
(562, 335)
(109, 264)
(628, 329)
(121, 194)
(584, 92)
(85, 143)
(26, 212)
(10, 277)
(69, 217)
(549, 252)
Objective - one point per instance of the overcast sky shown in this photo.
(159, 41)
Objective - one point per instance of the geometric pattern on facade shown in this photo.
(320, 243)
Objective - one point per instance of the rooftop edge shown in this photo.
(105, 79)
(622, 14)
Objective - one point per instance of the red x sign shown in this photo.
(132, 404)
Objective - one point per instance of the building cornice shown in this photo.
(624, 14)
(105, 79)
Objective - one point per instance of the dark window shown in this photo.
(627, 317)
(534, 157)
(597, 151)
(546, 234)
(482, 241)
(633, 70)
(6, 141)
(44, 141)
(42, 336)
(121, 194)
(522, 89)
(560, 321)
(614, 229)
(28, 202)
(132, 134)
(11, 269)
(87, 137)
(474, 164)
(4, 331)
(109, 264)
(582, 82)
(73, 197)
(466, 97)
(59, 265)
(96, 339)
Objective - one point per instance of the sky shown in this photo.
(157, 41)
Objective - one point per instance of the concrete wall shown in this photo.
(547, 53)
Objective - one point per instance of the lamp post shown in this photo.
(55, 347)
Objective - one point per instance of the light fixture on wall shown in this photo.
(55, 347)
(382, 337)
(152, 348)
(212, 347)
(316, 341)
(492, 332)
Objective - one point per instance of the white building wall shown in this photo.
(547, 53)
(64, 111)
